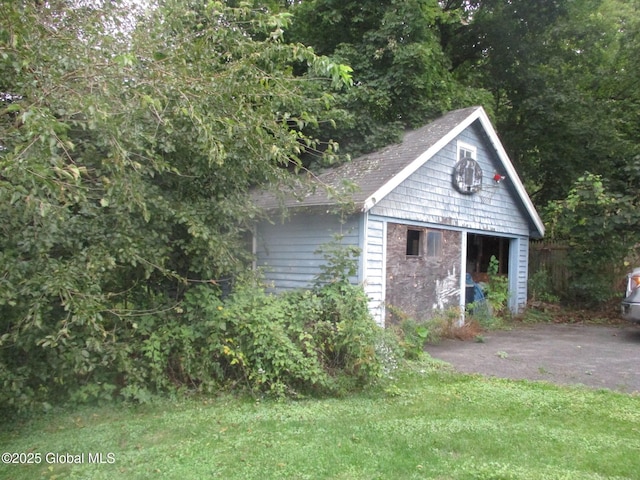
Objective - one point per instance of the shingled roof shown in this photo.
(376, 174)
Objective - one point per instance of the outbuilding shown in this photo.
(424, 213)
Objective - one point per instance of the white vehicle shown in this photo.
(631, 303)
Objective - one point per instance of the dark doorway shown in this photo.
(480, 249)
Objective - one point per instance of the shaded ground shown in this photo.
(591, 355)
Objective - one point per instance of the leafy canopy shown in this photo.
(128, 143)
(401, 73)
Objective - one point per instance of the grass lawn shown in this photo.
(430, 424)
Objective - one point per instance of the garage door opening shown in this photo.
(480, 249)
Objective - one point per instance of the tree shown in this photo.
(401, 74)
(550, 65)
(129, 145)
(564, 80)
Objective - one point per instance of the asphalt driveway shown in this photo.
(591, 355)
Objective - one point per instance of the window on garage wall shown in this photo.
(414, 242)
(434, 243)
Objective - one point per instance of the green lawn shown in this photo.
(430, 424)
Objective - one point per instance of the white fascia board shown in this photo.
(478, 114)
(418, 162)
(512, 175)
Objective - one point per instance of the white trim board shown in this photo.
(478, 114)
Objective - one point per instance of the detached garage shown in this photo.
(424, 212)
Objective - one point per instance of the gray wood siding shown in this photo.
(520, 276)
(286, 252)
(374, 273)
(429, 196)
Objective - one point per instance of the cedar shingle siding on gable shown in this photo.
(409, 187)
(428, 196)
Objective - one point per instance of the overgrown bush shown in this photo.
(540, 288)
(314, 341)
(599, 227)
(498, 289)
(411, 334)
(116, 201)
(447, 324)
(267, 346)
(414, 337)
(319, 341)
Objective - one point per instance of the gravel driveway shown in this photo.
(591, 355)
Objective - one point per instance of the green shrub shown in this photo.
(320, 341)
(268, 346)
(540, 288)
(597, 226)
(411, 335)
(497, 289)
(414, 338)
(313, 342)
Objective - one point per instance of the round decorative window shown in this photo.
(467, 176)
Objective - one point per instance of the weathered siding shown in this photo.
(428, 200)
(286, 252)
(374, 273)
(429, 196)
(420, 285)
(518, 273)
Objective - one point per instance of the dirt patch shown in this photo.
(591, 355)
